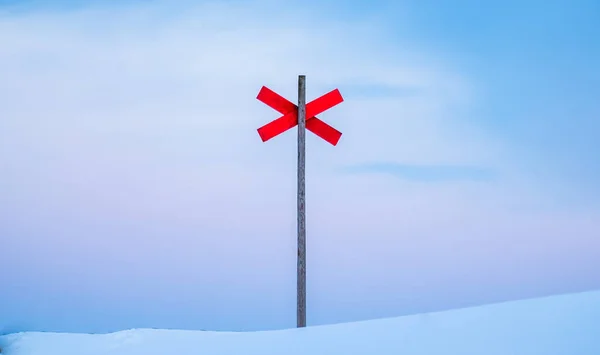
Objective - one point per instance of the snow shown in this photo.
(565, 325)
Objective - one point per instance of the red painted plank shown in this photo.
(275, 101)
(323, 130)
(313, 124)
(290, 119)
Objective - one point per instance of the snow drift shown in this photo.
(565, 325)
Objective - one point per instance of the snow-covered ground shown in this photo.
(565, 325)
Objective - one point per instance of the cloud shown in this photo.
(102, 101)
(379, 91)
(426, 173)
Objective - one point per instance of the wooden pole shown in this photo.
(301, 287)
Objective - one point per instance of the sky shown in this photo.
(136, 192)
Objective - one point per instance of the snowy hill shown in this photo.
(565, 325)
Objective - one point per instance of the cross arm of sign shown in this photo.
(290, 115)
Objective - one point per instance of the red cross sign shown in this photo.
(290, 115)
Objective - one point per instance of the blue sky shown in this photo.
(536, 62)
(137, 192)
